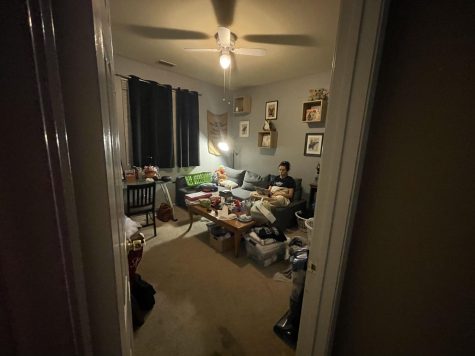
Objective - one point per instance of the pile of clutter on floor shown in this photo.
(265, 245)
(142, 293)
(287, 327)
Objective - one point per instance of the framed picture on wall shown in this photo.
(265, 141)
(314, 114)
(313, 144)
(271, 110)
(244, 128)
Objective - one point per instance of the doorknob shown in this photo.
(136, 244)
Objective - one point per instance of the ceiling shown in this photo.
(298, 36)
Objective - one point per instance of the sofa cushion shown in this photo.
(253, 180)
(241, 194)
(236, 175)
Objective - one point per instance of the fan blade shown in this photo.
(290, 40)
(201, 49)
(224, 11)
(167, 33)
(224, 36)
(250, 51)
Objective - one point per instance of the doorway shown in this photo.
(113, 340)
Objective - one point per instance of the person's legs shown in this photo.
(277, 201)
(256, 196)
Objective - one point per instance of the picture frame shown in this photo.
(265, 141)
(271, 110)
(313, 144)
(314, 114)
(244, 128)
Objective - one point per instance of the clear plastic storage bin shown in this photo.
(265, 255)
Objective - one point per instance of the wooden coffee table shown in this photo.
(235, 226)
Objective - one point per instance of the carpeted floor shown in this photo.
(208, 303)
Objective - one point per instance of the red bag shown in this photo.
(164, 212)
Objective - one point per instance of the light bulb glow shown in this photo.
(223, 146)
(225, 60)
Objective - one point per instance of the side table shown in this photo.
(313, 193)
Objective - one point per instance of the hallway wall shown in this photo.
(408, 286)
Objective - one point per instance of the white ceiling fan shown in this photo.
(226, 41)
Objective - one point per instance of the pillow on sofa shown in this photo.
(228, 184)
(253, 180)
(236, 175)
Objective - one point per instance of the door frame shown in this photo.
(84, 52)
(356, 62)
(360, 36)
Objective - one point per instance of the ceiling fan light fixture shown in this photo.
(225, 60)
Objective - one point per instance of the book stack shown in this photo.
(193, 198)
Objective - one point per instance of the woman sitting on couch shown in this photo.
(281, 188)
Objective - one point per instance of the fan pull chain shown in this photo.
(229, 89)
(224, 84)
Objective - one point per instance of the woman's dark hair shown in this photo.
(286, 164)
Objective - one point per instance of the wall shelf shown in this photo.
(267, 139)
(314, 111)
(242, 105)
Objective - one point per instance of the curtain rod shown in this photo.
(148, 81)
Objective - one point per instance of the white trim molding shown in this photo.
(360, 32)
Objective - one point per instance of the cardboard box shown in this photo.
(220, 244)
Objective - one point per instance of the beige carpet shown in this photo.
(208, 303)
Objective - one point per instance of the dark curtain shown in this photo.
(151, 115)
(187, 128)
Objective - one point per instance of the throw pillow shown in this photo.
(253, 180)
(236, 175)
(228, 184)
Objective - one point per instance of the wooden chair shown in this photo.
(141, 200)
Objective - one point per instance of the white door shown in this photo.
(86, 67)
(360, 32)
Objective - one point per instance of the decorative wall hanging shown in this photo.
(265, 141)
(313, 144)
(271, 110)
(244, 128)
(317, 94)
(314, 114)
(217, 131)
(268, 126)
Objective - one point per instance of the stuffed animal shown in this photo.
(221, 174)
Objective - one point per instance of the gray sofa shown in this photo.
(247, 181)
